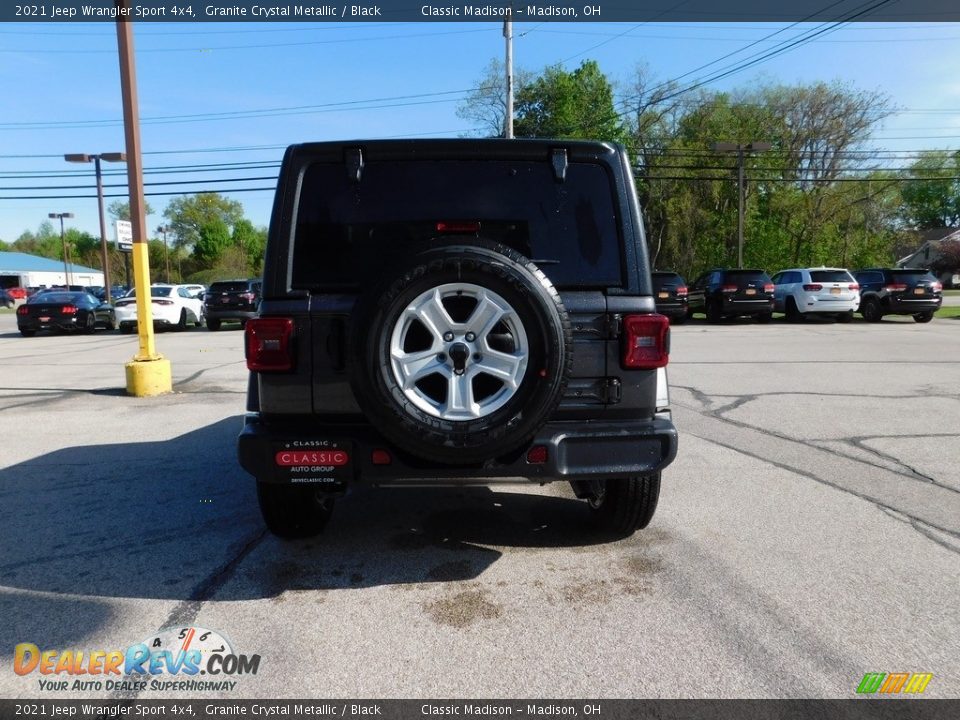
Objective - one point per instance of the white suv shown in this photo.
(800, 291)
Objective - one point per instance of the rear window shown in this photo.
(345, 231)
(830, 276)
(912, 276)
(745, 276)
(229, 287)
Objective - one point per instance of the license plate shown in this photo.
(918, 291)
(313, 462)
(224, 300)
(44, 319)
(751, 291)
(663, 295)
(834, 291)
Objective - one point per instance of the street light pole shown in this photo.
(741, 150)
(63, 241)
(164, 229)
(508, 62)
(104, 255)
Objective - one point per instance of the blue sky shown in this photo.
(62, 90)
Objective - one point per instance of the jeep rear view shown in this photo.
(456, 312)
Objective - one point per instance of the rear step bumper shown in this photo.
(575, 451)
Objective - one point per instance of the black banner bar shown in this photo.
(632, 11)
(854, 709)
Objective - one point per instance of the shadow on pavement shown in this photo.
(177, 519)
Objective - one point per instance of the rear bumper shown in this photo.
(729, 306)
(575, 450)
(672, 310)
(911, 306)
(212, 312)
(814, 304)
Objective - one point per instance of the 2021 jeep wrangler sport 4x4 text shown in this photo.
(456, 312)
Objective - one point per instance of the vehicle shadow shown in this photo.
(177, 519)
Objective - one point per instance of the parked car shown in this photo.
(231, 300)
(898, 291)
(65, 310)
(197, 291)
(18, 293)
(822, 291)
(171, 306)
(721, 293)
(6, 299)
(670, 295)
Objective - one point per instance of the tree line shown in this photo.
(819, 196)
(203, 237)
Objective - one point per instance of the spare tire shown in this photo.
(462, 353)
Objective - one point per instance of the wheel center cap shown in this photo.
(459, 353)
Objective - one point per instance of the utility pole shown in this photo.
(104, 256)
(63, 241)
(149, 373)
(741, 149)
(508, 35)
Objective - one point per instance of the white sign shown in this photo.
(124, 235)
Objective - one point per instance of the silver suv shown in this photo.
(823, 291)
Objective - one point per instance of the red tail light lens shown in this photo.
(768, 288)
(682, 291)
(22, 310)
(853, 286)
(896, 287)
(247, 296)
(937, 287)
(537, 455)
(161, 302)
(268, 343)
(646, 341)
(379, 456)
(729, 288)
(68, 310)
(813, 287)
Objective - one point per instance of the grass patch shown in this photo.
(951, 293)
(948, 312)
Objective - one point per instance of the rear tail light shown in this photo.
(768, 288)
(22, 310)
(682, 291)
(123, 303)
(853, 286)
(896, 287)
(729, 288)
(161, 302)
(813, 287)
(68, 310)
(247, 296)
(646, 341)
(937, 287)
(268, 343)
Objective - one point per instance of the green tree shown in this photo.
(931, 191)
(563, 104)
(120, 210)
(213, 238)
(188, 214)
(251, 242)
(486, 105)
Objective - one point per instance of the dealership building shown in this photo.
(23, 270)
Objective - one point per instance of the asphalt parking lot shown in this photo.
(807, 533)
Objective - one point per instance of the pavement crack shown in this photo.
(923, 529)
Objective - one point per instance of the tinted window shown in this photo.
(660, 279)
(744, 276)
(830, 276)
(236, 286)
(346, 231)
(53, 297)
(161, 291)
(912, 276)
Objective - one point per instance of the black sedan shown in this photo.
(670, 296)
(66, 311)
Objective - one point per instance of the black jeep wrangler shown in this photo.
(456, 312)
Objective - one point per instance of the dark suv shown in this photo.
(728, 293)
(898, 291)
(455, 312)
(670, 294)
(231, 300)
